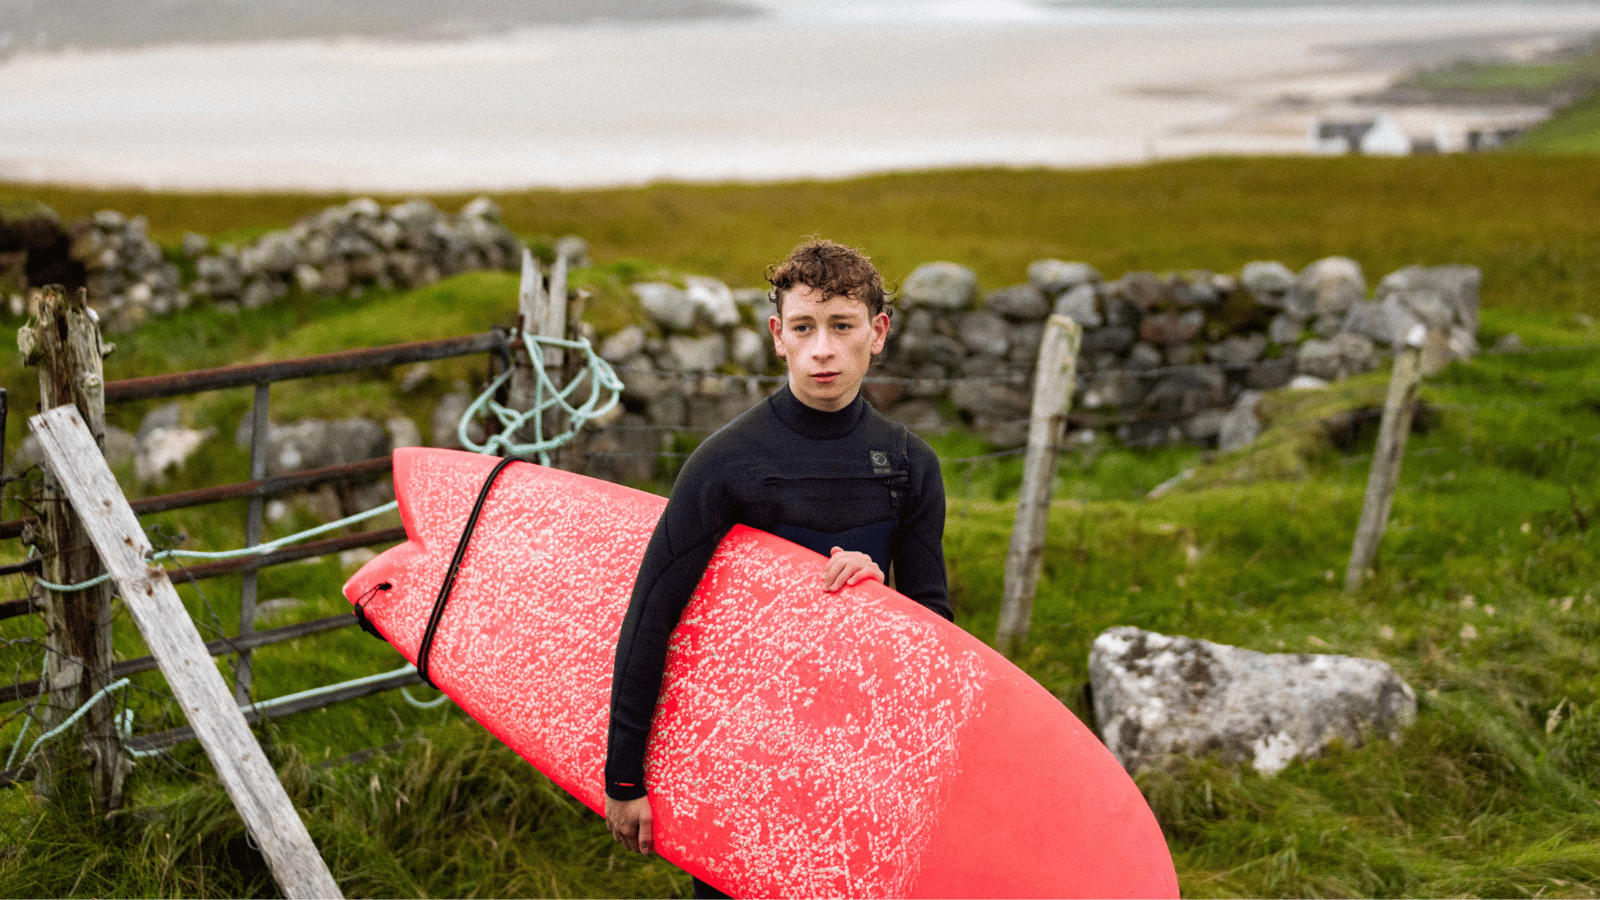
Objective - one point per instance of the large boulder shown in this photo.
(1158, 696)
(316, 443)
(1345, 354)
(163, 448)
(1240, 426)
(696, 354)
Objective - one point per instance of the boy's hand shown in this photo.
(630, 822)
(848, 567)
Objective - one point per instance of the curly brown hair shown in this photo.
(833, 269)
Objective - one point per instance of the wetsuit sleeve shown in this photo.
(918, 548)
(697, 517)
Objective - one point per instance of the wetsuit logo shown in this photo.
(880, 462)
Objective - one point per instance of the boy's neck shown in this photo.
(814, 423)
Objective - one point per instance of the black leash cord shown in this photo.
(361, 610)
(425, 650)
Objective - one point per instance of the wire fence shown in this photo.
(1431, 466)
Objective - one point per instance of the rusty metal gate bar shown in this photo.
(261, 376)
(497, 343)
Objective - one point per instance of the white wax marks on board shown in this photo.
(530, 629)
(809, 735)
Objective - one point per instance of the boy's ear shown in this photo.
(880, 332)
(776, 327)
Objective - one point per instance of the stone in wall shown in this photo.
(1269, 282)
(347, 249)
(128, 278)
(1055, 277)
(1081, 304)
(1022, 302)
(940, 285)
(1333, 285)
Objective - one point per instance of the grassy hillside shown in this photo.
(1526, 220)
(1574, 129)
(1485, 597)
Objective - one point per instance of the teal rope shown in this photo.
(269, 546)
(70, 721)
(256, 550)
(605, 391)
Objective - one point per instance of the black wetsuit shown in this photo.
(852, 479)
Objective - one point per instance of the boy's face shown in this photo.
(828, 342)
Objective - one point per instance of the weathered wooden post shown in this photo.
(64, 342)
(260, 428)
(1052, 396)
(113, 529)
(549, 313)
(1391, 447)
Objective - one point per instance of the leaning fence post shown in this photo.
(269, 817)
(1386, 455)
(65, 344)
(1052, 396)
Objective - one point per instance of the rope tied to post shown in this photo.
(604, 392)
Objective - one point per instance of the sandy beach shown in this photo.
(822, 89)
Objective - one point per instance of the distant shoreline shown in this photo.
(809, 90)
(95, 25)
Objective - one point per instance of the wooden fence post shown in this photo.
(114, 530)
(65, 344)
(1386, 455)
(552, 312)
(532, 308)
(260, 430)
(1052, 396)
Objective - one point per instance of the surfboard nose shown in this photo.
(376, 577)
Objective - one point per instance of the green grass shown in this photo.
(1574, 129)
(1553, 80)
(1524, 219)
(1485, 595)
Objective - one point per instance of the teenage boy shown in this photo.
(813, 463)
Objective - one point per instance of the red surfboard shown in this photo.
(806, 744)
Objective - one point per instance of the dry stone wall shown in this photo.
(1165, 357)
(341, 251)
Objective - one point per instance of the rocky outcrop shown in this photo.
(1157, 697)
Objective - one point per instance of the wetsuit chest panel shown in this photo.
(872, 539)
